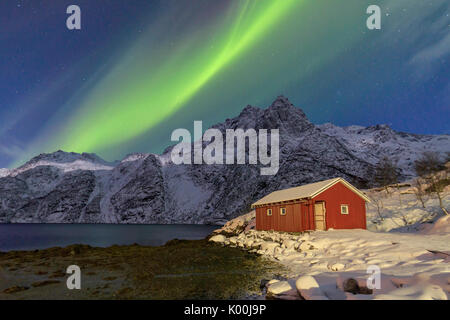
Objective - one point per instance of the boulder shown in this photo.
(309, 289)
(248, 243)
(218, 238)
(278, 288)
(336, 266)
(272, 281)
(269, 246)
(238, 225)
(304, 246)
(351, 285)
(289, 244)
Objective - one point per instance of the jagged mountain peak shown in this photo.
(281, 102)
(250, 110)
(289, 117)
(281, 114)
(135, 156)
(65, 161)
(61, 156)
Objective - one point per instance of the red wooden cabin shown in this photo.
(333, 203)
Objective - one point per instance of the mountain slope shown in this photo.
(374, 142)
(147, 188)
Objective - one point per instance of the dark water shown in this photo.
(41, 236)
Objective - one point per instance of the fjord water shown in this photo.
(42, 236)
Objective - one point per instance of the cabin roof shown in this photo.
(306, 191)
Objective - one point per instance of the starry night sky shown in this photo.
(139, 69)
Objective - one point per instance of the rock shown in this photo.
(269, 247)
(351, 285)
(278, 251)
(287, 295)
(237, 225)
(218, 238)
(306, 282)
(249, 243)
(309, 289)
(336, 266)
(256, 244)
(278, 287)
(251, 225)
(289, 244)
(304, 246)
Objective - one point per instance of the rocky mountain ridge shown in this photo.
(147, 188)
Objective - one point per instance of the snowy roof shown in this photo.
(306, 191)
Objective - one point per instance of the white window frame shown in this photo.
(344, 206)
(281, 211)
(269, 212)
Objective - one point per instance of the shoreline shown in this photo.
(180, 269)
(321, 264)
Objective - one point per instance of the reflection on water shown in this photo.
(41, 236)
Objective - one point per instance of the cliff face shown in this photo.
(146, 188)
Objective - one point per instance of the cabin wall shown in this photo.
(297, 218)
(334, 197)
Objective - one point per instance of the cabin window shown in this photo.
(344, 208)
(269, 212)
(283, 211)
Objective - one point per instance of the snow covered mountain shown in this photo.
(374, 142)
(147, 188)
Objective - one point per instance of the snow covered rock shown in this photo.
(309, 289)
(269, 247)
(218, 238)
(289, 244)
(237, 225)
(279, 287)
(336, 266)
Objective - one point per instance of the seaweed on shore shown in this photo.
(181, 269)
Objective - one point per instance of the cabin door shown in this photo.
(319, 215)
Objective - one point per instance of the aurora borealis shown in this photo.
(134, 73)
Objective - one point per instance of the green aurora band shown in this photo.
(195, 62)
(143, 91)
